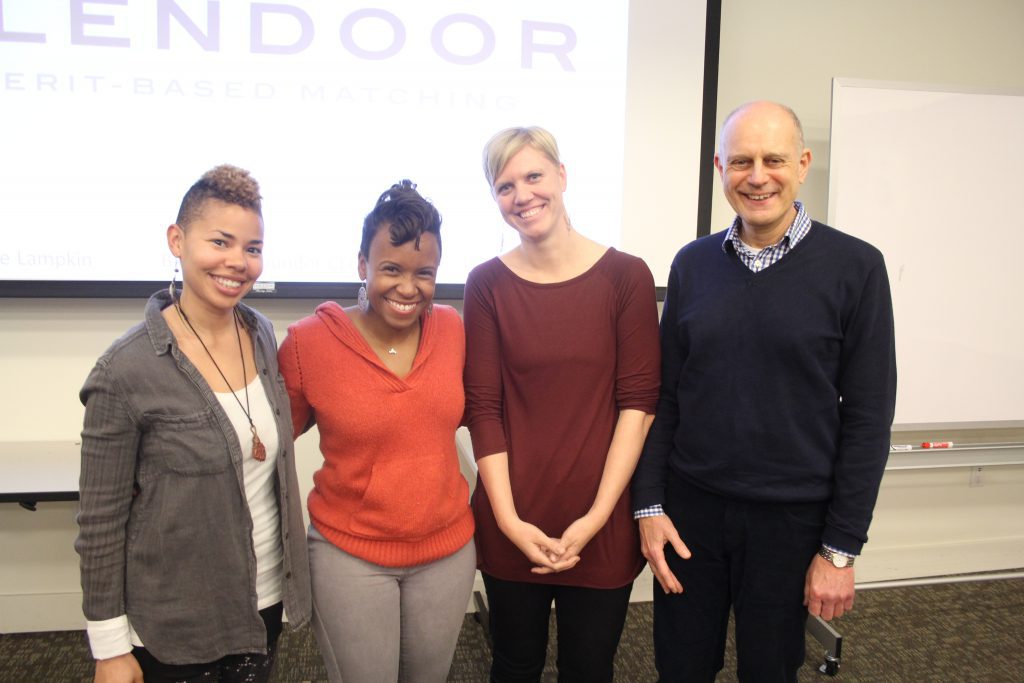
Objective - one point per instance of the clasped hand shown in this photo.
(552, 555)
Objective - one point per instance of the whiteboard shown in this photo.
(931, 176)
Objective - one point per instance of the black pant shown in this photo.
(589, 623)
(241, 668)
(752, 556)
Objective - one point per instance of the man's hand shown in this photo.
(828, 590)
(655, 532)
(122, 669)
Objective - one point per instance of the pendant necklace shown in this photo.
(372, 340)
(259, 451)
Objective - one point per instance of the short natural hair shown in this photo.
(405, 213)
(225, 183)
(743, 107)
(506, 143)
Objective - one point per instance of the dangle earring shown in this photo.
(361, 299)
(171, 289)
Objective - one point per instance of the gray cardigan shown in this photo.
(165, 534)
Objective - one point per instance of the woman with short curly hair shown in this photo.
(190, 522)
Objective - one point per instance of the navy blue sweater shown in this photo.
(780, 385)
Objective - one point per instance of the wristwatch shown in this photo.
(837, 559)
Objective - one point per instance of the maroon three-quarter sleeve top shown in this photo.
(548, 368)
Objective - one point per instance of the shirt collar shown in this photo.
(160, 334)
(797, 230)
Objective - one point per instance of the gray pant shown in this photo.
(379, 624)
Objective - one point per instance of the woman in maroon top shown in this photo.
(562, 371)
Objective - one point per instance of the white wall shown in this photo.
(790, 51)
(926, 523)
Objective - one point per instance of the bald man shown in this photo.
(758, 479)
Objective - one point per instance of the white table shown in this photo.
(33, 471)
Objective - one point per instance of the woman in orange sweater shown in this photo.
(391, 550)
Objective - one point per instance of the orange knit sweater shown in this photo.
(390, 490)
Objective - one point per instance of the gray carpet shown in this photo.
(943, 633)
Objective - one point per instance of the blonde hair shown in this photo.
(504, 145)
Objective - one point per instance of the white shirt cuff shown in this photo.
(110, 637)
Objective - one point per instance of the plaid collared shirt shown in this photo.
(759, 260)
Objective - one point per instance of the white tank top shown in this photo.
(260, 487)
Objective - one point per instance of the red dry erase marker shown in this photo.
(937, 444)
